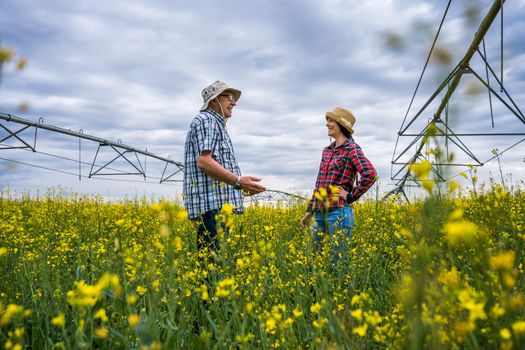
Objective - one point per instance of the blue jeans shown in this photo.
(336, 226)
(207, 237)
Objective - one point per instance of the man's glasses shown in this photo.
(229, 97)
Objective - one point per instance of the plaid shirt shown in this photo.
(202, 193)
(339, 167)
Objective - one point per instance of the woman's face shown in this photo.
(333, 128)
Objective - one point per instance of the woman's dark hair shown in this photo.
(345, 131)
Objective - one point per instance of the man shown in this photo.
(212, 176)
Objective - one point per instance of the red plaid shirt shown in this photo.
(339, 167)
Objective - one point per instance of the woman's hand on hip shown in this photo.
(342, 193)
(306, 218)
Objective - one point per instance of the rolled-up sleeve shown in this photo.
(367, 174)
(207, 135)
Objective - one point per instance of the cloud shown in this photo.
(134, 72)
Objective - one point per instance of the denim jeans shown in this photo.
(207, 238)
(337, 224)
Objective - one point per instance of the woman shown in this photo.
(337, 185)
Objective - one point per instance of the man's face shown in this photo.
(224, 104)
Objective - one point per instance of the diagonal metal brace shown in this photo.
(14, 134)
(140, 170)
(167, 178)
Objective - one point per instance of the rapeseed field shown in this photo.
(444, 272)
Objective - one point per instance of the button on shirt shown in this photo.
(340, 167)
(203, 193)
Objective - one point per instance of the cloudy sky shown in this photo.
(132, 72)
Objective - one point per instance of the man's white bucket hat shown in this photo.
(217, 88)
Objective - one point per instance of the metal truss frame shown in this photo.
(440, 126)
(128, 154)
(273, 196)
(124, 152)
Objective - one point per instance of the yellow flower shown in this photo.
(461, 232)
(101, 314)
(102, 332)
(141, 290)
(133, 320)
(59, 321)
(244, 339)
(181, 215)
(226, 216)
(497, 311)
(19, 332)
(297, 312)
(505, 333)
(405, 233)
(334, 189)
(204, 293)
(515, 302)
(3, 251)
(503, 261)
(270, 325)
(453, 185)
(205, 337)
(360, 331)
(321, 194)
(315, 308)
(450, 278)
(508, 279)
(86, 295)
(323, 321)
(476, 311)
(249, 308)
(177, 243)
(228, 209)
(155, 346)
(357, 314)
(155, 285)
(225, 287)
(428, 184)
(374, 318)
(421, 170)
(518, 327)
(131, 299)
(456, 214)
(59, 346)
(463, 328)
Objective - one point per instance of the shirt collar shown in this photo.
(344, 144)
(216, 115)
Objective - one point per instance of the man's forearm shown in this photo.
(213, 169)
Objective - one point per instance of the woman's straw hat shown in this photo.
(344, 117)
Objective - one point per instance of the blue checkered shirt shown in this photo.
(202, 193)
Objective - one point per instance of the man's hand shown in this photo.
(250, 186)
(212, 168)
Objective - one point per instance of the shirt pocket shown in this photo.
(227, 156)
(339, 163)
